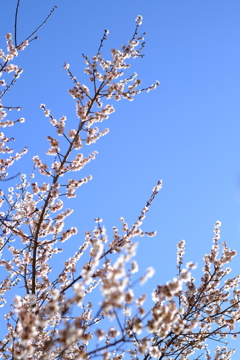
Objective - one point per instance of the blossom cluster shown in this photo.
(6, 68)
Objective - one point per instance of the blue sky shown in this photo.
(186, 132)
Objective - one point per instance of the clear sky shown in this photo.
(186, 132)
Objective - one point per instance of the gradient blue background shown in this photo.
(186, 132)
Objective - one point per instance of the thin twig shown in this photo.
(15, 77)
(15, 24)
(44, 22)
(12, 177)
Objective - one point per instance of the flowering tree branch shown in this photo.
(57, 318)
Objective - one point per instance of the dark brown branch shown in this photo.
(107, 346)
(12, 177)
(55, 179)
(44, 22)
(15, 24)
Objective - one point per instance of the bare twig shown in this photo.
(12, 177)
(44, 22)
(15, 24)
